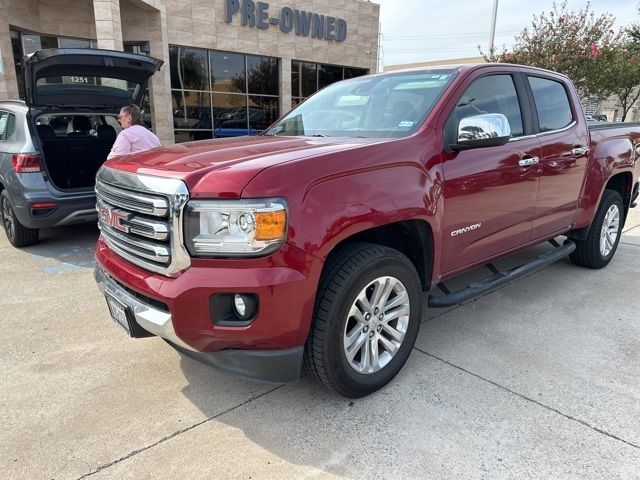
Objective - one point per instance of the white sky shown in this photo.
(424, 30)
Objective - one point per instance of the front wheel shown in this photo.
(597, 250)
(366, 320)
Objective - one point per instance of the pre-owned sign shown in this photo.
(256, 15)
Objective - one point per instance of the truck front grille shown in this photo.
(140, 219)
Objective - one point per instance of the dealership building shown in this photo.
(231, 67)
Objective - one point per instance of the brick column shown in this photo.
(108, 24)
(160, 84)
(285, 85)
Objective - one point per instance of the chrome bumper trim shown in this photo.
(151, 319)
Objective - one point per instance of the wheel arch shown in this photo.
(412, 238)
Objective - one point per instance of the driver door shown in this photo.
(490, 192)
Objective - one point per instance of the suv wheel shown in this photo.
(597, 250)
(366, 320)
(18, 234)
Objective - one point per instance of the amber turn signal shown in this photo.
(270, 225)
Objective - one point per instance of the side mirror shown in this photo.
(487, 130)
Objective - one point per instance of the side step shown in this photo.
(498, 278)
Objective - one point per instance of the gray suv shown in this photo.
(52, 145)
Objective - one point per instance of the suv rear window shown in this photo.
(64, 124)
(552, 103)
(7, 123)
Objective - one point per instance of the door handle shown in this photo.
(578, 151)
(527, 162)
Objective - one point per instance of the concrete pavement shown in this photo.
(540, 379)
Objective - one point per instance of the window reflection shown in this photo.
(307, 78)
(191, 110)
(262, 75)
(263, 111)
(227, 72)
(222, 107)
(189, 68)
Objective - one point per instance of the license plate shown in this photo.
(119, 313)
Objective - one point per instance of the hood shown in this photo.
(223, 167)
(86, 77)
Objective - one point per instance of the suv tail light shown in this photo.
(26, 163)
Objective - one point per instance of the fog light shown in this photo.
(240, 306)
(233, 309)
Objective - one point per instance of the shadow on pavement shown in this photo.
(65, 248)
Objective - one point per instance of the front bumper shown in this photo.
(178, 309)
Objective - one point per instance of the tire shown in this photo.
(591, 252)
(17, 234)
(358, 270)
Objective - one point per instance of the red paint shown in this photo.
(336, 188)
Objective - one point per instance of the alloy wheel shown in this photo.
(609, 231)
(376, 325)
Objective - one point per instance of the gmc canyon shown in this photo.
(311, 244)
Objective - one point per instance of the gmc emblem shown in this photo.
(113, 218)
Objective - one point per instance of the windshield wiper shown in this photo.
(317, 135)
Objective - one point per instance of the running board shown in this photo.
(500, 278)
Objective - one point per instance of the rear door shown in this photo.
(489, 193)
(564, 142)
(85, 77)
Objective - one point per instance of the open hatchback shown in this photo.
(74, 96)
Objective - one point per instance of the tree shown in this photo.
(623, 74)
(571, 43)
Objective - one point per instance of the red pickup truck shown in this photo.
(312, 244)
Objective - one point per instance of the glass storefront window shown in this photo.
(352, 72)
(17, 60)
(232, 112)
(64, 42)
(33, 43)
(229, 115)
(191, 109)
(227, 72)
(263, 111)
(262, 75)
(189, 68)
(191, 136)
(307, 78)
(328, 74)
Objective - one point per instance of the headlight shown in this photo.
(227, 228)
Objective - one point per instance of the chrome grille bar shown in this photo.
(140, 218)
(133, 246)
(122, 198)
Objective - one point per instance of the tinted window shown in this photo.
(227, 72)
(491, 94)
(191, 110)
(262, 75)
(4, 125)
(309, 83)
(295, 78)
(351, 72)
(189, 68)
(552, 104)
(263, 111)
(328, 74)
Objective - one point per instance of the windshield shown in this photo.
(370, 107)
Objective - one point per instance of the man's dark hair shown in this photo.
(136, 114)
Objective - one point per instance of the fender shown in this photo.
(609, 157)
(333, 197)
